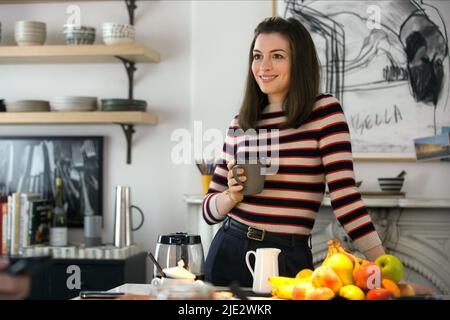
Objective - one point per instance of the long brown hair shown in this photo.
(305, 76)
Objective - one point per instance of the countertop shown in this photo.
(145, 289)
(140, 291)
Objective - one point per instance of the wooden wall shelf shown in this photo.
(77, 54)
(126, 119)
(45, 1)
(97, 117)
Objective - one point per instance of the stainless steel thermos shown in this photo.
(123, 225)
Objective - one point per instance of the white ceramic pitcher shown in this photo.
(266, 265)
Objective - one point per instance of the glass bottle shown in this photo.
(58, 233)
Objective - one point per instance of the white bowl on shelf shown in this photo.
(117, 33)
(30, 33)
(22, 37)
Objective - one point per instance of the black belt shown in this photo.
(264, 235)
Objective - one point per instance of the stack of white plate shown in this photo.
(117, 33)
(30, 33)
(27, 106)
(74, 104)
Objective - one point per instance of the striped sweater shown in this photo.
(317, 152)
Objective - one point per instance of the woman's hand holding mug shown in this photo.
(235, 190)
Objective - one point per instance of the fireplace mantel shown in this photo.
(370, 202)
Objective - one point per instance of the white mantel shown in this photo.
(370, 202)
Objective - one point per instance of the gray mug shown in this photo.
(255, 177)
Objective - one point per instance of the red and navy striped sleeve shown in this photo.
(336, 152)
(219, 179)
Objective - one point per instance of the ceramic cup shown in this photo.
(255, 177)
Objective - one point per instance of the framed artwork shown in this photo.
(387, 61)
(31, 164)
(434, 147)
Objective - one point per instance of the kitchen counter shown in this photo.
(140, 290)
(133, 288)
(146, 289)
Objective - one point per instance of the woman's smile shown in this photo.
(267, 78)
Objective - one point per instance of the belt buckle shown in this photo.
(251, 235)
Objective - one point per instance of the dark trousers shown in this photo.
(225, 262)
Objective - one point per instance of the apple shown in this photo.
(352, 292)
(391, 267)
(378, 294)
(406, 290)
(392, 287)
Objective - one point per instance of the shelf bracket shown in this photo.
(128, 130)
(131, 6)
(130, 67)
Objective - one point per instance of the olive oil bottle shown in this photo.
(59, 230)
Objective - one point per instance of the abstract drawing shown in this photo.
(388, 63)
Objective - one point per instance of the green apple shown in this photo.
(391, 267)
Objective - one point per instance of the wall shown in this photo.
(221, 35)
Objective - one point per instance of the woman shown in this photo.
(282, 92)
